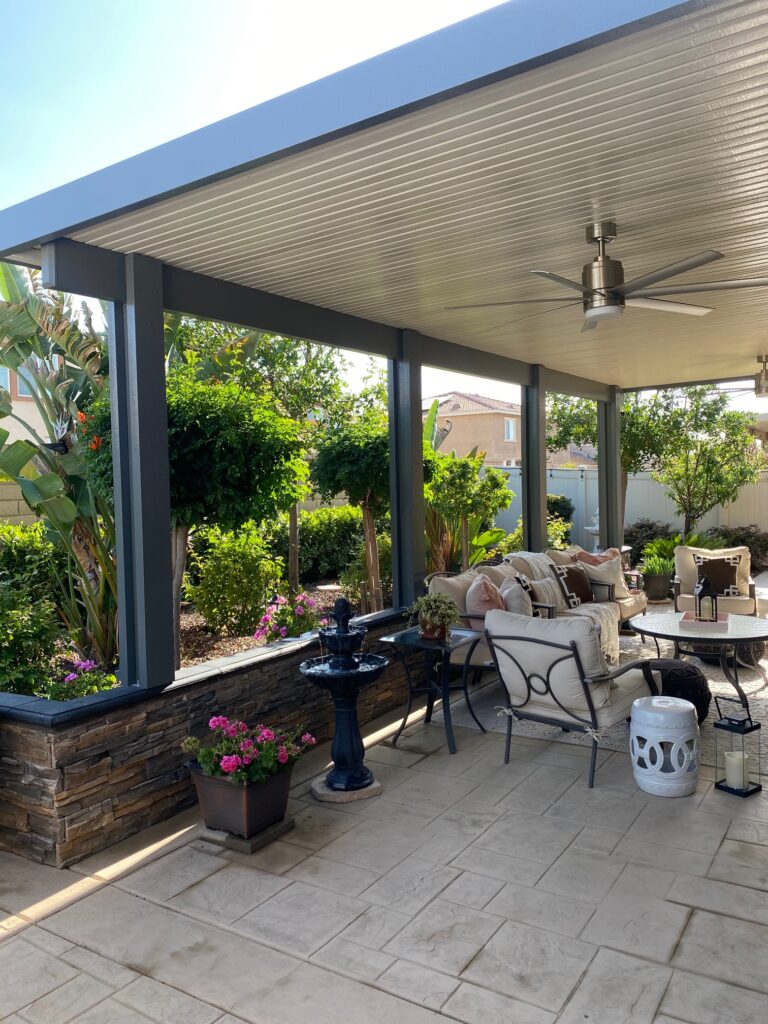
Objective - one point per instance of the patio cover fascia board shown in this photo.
(497, 44)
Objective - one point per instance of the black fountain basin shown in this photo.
(333, 672)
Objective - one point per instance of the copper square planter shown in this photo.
(241, 808)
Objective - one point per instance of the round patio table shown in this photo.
(727, 636)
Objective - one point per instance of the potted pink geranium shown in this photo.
(242, 776)
(289, 617)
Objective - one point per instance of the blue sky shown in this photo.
(89, 82)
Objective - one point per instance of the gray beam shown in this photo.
(609, 470)
(69, 266)
(567, 384)
(534, 460)
(406, 475)
(142, 415)
(446, 356)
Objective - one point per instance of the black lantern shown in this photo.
(705, 601)
(737, 750)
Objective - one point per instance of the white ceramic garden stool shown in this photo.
(664, 745)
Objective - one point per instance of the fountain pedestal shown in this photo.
(342, 673)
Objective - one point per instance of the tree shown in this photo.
(711, 457)
(353, 459)
(644, 436)
(232, 459)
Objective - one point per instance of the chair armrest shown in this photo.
(752, 590)
(476, 622)
(641, 663)
(609, 589)
(546, 611)
(433, 575)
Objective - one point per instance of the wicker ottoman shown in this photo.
(685, 680)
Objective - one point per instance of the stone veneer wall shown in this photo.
(70, 790)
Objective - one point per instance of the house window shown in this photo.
(5, 378)
(510, 430)
(22, 385)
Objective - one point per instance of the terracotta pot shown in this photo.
(430, 631)
(242, 808)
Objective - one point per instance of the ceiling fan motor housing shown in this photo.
(602, 274)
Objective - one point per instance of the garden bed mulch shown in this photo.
(198, 644)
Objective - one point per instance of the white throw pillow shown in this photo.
(608, 572)
(516, 600)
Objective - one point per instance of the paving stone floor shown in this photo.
(469, 891)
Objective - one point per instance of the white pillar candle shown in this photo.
(736, 769)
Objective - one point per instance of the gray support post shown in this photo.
(534, 451)
(142, 480)
(406, 473)
(609, 470)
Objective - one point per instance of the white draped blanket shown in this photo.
(604, 614)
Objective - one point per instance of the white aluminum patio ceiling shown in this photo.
(664, 131)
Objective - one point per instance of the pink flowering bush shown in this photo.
(289, 616)
(240, 754)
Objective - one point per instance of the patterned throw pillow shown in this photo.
(549, 592)
(574, 583)
(721, 573)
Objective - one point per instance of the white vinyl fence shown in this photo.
(645, 500)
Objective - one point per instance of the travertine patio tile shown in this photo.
(112, 1012)
(226, 895)
(682, 827)
(641, 880)
(581, 876)
(720, 898)
(741, 863)
(567, 755)
(277, 858)
(666, 858)
(434, 792)
(441, 762)
(100, 967)
(301, 918)
(747, 831)
(12, 924)
(734, 951)
(67, 1001)
(499, 865)
(597, 840)
(529, 836)
(442, 849)
(617, 988)
(544, 783)
(531, 964)
(318, 826)
(543, 909)
(24, 884)
(350, 958)
(700, 1000)
(27, 974)
(383, 753)
(164, 1004)
(601, 808)
(474, 1005)
(422, 739)
(465, 822)
(396, 815)
(444, 936)
(329, 874)
(637, 923)
(491, 770)
(205, 962)
(471, 890)
(417, 984)
(360, 850)
(411, 885)
(46, 941)
(375, 927)
(755, 808)
(167, 877)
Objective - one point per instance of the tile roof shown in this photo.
(462, 402)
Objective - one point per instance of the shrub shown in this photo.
(558, 536)
(664, 547)
(80, 679)
(328, 540)
(289, 617)
(638, 534)
(560, 506)
(356, 572)
(28, 559)
(28, 634)
(743, 536)
(235, 575)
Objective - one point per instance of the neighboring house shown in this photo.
(23, 406)
(473, 421)
(573, 457)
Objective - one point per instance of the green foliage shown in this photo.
(658, 565)
(356, 572)
(711, 455)
(558, 536)
(462, 488)
(642, 532)
(354, 460)
(328, 540)
(560, 506)
(751, 537)
(664, 547)
(29, 630)
(29, 560)
(235, 577)
(435, 609)
(82, 679)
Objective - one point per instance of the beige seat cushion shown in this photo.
(687, 570)
(560, 557)
(729, 605)
(498, 574)
(455, 587)
(624, 691)
(635, 604)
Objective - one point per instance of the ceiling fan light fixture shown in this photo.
(598, 313)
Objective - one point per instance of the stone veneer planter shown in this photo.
(68, 790)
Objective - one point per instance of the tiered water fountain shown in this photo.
(343, 672)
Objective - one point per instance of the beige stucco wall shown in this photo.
(13, 508)
(484, 430)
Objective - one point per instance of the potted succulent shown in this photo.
(658, 572)
(242, 776)
(435, 613)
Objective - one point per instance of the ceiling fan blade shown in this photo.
(588, 325)
(669, 307)
(691, 263)
(509, 323)
(705, 286)
(512, 302)
(564, 281)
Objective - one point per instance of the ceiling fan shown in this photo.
(605, 294)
